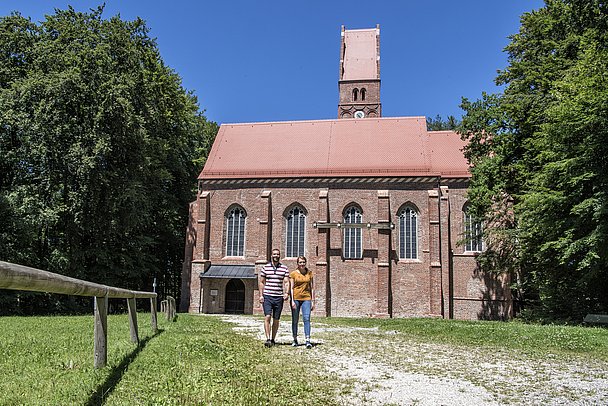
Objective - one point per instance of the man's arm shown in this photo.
(286, 288)
(261, 283)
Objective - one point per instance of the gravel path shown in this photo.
(388, 368)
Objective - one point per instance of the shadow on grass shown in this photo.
(108, 386)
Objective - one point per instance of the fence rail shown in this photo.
(19, 277)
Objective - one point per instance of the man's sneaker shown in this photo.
(308, 345)
(295, 343)
(268, 343)
(272, 342)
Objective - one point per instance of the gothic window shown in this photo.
(296, 226)
(363, 94)
(408, 233)
(352, 236)
(473, 233)
(355, 94)
(235, 232)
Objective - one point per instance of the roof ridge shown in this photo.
(325, 120)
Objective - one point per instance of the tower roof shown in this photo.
(360, 59)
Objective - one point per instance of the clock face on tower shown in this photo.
(359, 114)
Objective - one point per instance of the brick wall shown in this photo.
(443, 281)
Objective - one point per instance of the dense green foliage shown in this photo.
(100, 148)
(195, 360)
(439, 124)
(539, 154)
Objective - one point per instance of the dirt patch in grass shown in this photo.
(378, 367)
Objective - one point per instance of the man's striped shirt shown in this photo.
(274, 278)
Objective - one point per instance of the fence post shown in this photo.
(173, 307)
(153, 315)
(101, 331)
(170, 308)
(133, 319)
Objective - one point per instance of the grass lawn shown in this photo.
(201, 360)
(195, 360)
(530, 339)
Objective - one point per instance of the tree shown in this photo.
(542, 143)
(438, 124)
(102, 146)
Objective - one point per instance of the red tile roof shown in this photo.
(396, 146)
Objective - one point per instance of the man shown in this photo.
(274, 290)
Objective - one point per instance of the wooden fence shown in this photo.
(18, 277)
(167, 306)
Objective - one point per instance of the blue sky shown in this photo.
(251, 61)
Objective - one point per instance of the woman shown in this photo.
(302, 297)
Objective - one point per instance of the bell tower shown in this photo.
(359, 79)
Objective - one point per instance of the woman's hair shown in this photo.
(302, 258)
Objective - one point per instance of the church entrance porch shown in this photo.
(227, 288)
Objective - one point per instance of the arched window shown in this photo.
(296, 227)
(235, 232)
(408, 233)
(352, 236)
(355, 94)
(363, 94)
(473, 232)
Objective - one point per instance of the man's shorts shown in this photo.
(273, 305)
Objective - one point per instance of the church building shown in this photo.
(377, 205)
